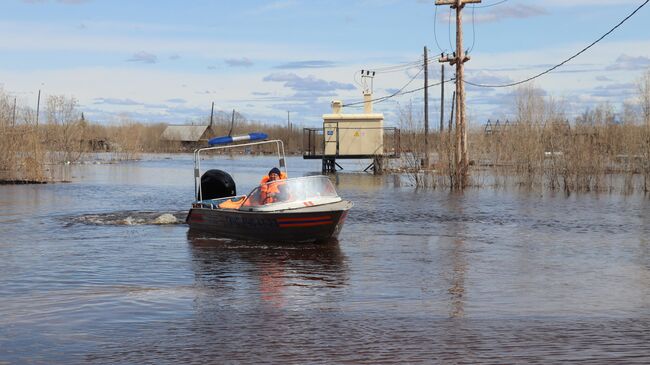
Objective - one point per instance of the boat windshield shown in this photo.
(305, 189)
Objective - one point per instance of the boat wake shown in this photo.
(130, 218)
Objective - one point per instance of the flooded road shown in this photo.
(103, 270)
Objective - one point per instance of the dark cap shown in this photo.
(274, 170)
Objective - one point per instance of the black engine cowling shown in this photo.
(217, 184)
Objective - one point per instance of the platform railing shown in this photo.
(313, 143)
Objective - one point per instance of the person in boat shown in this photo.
(272, 190)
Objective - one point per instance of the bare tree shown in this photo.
(529, 104)
(644, 96)
(7, 138)
(65, 134)
(21, 157)
(412, 148)
(644, 100)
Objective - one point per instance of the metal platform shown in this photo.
(345, 157)
(314, 148)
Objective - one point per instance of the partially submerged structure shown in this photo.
(351, 136)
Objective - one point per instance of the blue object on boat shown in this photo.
(230, 139)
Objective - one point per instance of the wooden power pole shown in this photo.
(442, 98)
(426, 109)
(459, 58)
(211, 114)
(38, 106)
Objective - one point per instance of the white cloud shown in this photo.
(114, 101)
(38, 37)
(239, 62)
(517, 11)
(306, 64)
(591, 3)
(309, 85)
(144, 57)
(631, 63)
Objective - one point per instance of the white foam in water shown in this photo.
(128, 221)
(129, 218)
(165, 219)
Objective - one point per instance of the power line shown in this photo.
(400, 92)
(388, 69)
(435, 35)
(354, 77)
(419, 64)
(392, 95)
(401, 66)
(397, 68)
(491, 5)
(474, 7)
(568, 59)
(449, 35)
(428, 86)
(473, 30)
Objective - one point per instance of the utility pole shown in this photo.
(459, 58)
(426, 109)
(38, 106)
(451, 117)
(232, 123)
(457, 129)
(13, 118)
(211, 114)
(288, 128)
(452, 166)
(442, 98)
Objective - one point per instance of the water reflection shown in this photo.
(359, 182)
(278, 275)
(456, 255)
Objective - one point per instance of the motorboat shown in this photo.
(303, 209)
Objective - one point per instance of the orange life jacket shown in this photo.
(269, 190)
(232, 204)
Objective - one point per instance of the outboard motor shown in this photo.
(217, 184)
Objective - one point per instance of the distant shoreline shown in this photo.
(22, 182)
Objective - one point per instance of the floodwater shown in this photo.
(102, 270)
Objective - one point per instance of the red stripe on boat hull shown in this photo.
(310, 224)
(303, 219)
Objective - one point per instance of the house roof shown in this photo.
(184, 133)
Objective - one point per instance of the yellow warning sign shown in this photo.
(356, 134)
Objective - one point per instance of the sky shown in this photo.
(168, 60)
